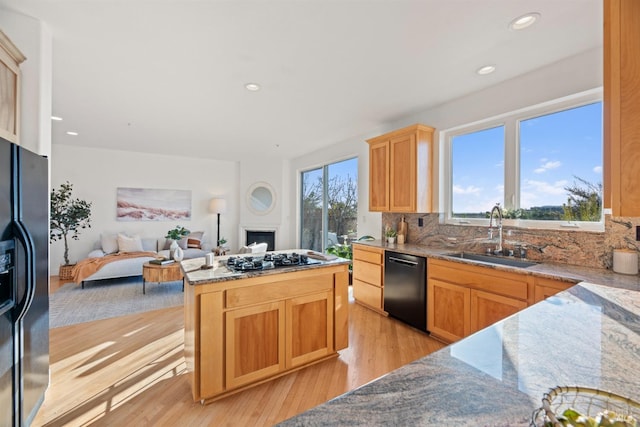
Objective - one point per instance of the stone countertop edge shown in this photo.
(195, 275)
(556, 271)
(588, 336)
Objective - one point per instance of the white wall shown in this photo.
(272, 172)
(97, 173)
(572, 75)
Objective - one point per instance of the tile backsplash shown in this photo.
(586, 248)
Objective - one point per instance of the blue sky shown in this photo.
(554, 149)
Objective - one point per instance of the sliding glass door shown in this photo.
(329, 205)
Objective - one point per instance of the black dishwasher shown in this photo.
(405, 290)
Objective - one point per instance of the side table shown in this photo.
(160, 273)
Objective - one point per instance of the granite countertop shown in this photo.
(196, 275)
(570, 273)
(588, 336)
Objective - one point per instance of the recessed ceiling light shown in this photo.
(487, 69)
(56, 118)
(524, 21)
(253, 87)
(72, 133)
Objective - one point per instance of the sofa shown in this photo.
(193, 246)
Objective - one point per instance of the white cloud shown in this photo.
(597, 169)
(471, 189)
(548, 165)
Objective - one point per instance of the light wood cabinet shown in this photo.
(379, 176)
(10, 59)
(254, 345)
(368, 274)
(621, 107)
(448, 310)
(309, 322)
(462, 299)
(241, 332)
(548, 287)
(400, 170)
(488, 308)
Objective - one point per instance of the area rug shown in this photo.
(110, 298)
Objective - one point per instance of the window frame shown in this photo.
(324, 168)
(512, 179)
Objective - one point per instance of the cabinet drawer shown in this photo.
(367, 272)
(367, 294)
(482, 278)
(249, 295)
(367, 256)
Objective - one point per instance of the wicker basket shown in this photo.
(585, 400)
(66, 272)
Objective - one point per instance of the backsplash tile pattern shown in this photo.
(585, 248)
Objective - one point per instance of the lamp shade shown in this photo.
(217, 205)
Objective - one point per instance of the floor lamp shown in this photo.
(218, 206)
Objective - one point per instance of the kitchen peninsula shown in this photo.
(247, 326)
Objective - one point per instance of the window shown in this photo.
(329, 205)
(543, 165)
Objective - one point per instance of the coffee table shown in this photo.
(160, 273)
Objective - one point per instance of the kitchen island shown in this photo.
(245, 328)
(587, 336)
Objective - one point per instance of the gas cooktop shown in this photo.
(268, 261)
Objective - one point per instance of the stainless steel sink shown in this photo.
(493, 259)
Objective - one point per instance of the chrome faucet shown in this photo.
(499, 224)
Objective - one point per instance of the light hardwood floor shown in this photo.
(130, 371)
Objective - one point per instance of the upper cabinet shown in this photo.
(621, 106)
(10, 59)
(400, 170)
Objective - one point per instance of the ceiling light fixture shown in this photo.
(56, 118)
(72, 133)
(487, 69)
(524, 21)
(253, 87)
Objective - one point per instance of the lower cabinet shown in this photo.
(368, 273)
(488, 308)
(549, 287)
(244, 332)
(448, 310)
(253, 342)
(462, 298)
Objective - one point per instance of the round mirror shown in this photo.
(261, 198)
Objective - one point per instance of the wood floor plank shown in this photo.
(131, 371)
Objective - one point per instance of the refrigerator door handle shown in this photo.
(23, 236)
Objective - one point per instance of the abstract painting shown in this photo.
(148, 204)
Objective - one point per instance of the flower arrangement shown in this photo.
(177, 233)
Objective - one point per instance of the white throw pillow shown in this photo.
(129, 244)
(109, 243)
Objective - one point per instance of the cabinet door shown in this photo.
(622, 109)
(309, 328)
(448, 310)
(379, 176)
(254, 345)
(487, 309)
(9, 91)
(403, 173)
(548, 287)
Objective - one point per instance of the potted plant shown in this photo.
(174, 235)
(68, 217)
(391, 235)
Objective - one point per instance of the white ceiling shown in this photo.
(167, 76)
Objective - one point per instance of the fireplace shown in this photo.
(262, 236)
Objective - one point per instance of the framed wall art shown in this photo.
(150, 204)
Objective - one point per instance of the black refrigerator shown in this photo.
(24, 283)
